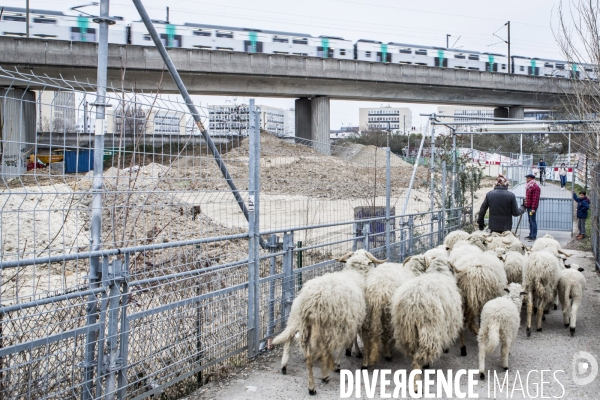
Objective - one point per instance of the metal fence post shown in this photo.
(112, 340)
(299, 264)
(440, 227)
(96, 218)
(287, 290)
(411, 223)
(273, 247)
(366, 232)
(355, 232)
(444, 177)
(388, 190)
(253, 259)
(124, 340)
(432, 185)
(402, 250)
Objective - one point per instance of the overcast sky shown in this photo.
(471, 23)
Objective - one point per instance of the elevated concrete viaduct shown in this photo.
(272, 75)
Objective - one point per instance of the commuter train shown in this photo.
(46, 24)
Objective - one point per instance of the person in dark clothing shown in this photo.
(502, 205)
(583, 205)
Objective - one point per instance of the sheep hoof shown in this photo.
(388, 358)
(555, 307)
(528, 332)
(337, 369)
(312, 392)
(539, 329)
(325, 380)
(505, 368)
(543, 317)
(535, 310)
(572, 331)
(359, 355)
(481, 375)
(547, 311)
(426, 366)
(284, 370)
(463, 351)
(446, 351)
(348, 352)
(566, 325)
(364, 367)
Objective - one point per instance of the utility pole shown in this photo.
(27, 17)
(168, 15)
(508, 42)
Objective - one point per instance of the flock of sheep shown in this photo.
(476, 281)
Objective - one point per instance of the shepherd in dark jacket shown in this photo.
(502, 205)
(583, 205)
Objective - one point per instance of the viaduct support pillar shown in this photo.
(17, 131)
(517, 112)
(500, 112)
(303, 118)
(320, 124)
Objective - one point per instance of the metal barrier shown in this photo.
(180, 285)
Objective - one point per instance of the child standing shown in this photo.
(583, 205)
(562, 173)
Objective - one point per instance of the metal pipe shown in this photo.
(252, 316)
(26, 18)
(412, 177)
(564, 121)
(453, 195)
(432, 177)
(518, 122)
(521, 133)
(190, 104)
(112, 339)
(388, 192)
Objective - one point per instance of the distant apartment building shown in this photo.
(57, 111)
(233, 120)
(465, 114)
(396, 119)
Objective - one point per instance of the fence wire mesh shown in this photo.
(179, 295)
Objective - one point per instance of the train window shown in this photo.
(280, 52)
(421, 52)
(203, 32)
(522, 68)
(18, 34)
(405, 62)
(300, 41)
(368, 54)
(588, 70)
(281, 39)
(342, 52)
(88, 36)
(225, 34)
(203, 47)
(503, 66)
(225, 48)
(473, 57)
(560, 66)
(406, 51)
(14, 18)
(300, 54)
(460, 56)
(44, 21)
(147, 38)
(549, 65)
(474, 68)
(43, 36)
(424, 64)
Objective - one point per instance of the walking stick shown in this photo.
(518, 223)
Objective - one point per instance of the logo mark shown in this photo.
(584, 364)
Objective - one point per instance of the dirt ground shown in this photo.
(552, 349)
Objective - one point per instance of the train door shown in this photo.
(252, 45)
(440, 60)
(324, 50)
(490, 65)
(171, 39)
(574, 71)
(384, 55)
(533, 69)
(81, 32)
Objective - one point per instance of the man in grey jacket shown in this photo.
(502, 205)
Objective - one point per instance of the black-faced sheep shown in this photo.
(571, 284)
(328, 313)
(500, 320)
(427, 314)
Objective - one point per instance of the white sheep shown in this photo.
(463, 249)
(514, 263)
(439, 251)
(500, 320)
(571, 284)
(454, 237)
(417, 264)
(480, 278)
(328, 313)
(540, 279)
(380, 286)
(509, 242)
(427, 314)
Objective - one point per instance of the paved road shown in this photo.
(553, 349)
(547, 191)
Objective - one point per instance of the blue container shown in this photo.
(79, 161)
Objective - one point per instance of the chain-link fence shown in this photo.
(183, 285)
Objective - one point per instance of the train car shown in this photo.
(371, 50)
(171, 35)
(333, 47)
(48, 24)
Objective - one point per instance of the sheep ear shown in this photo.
(580, 269)
(567, 266)
(503, 257)
(343, 258)
(506, 290)
(447, 248)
